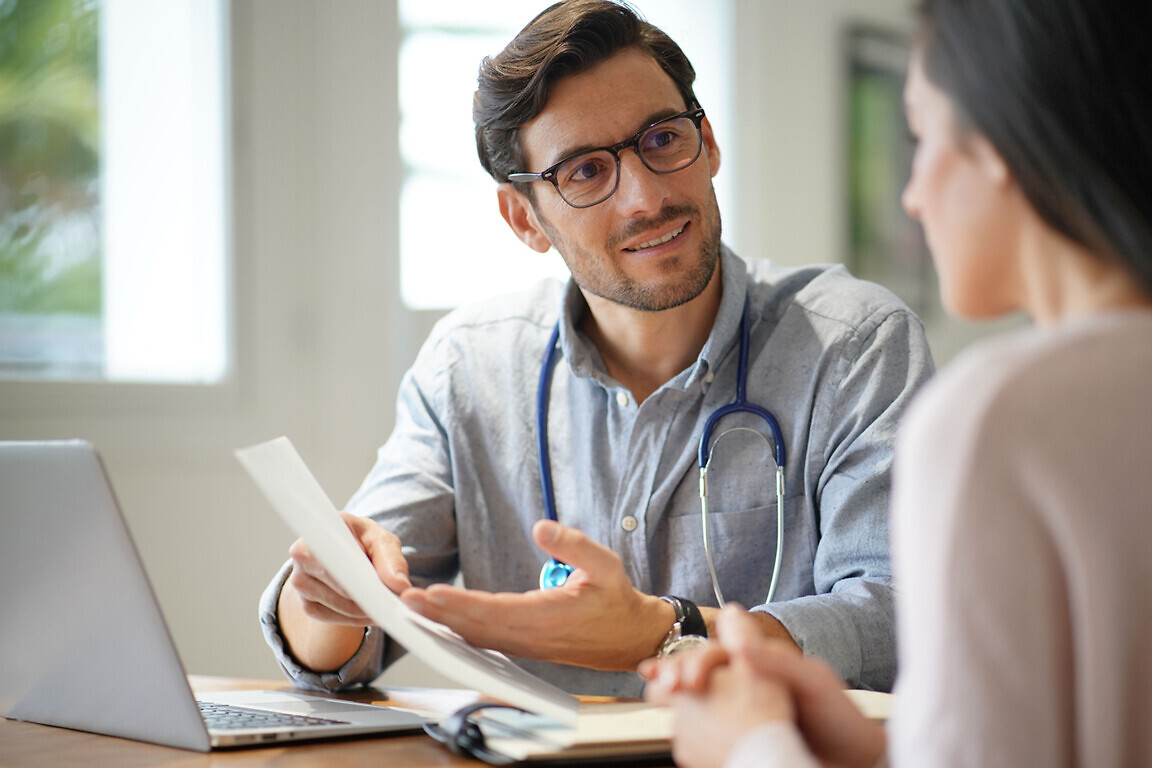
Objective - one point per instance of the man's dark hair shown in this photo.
(1063, 91)
(568, 38)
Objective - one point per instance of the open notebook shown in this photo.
(83, 643)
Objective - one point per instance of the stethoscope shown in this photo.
(555, 573)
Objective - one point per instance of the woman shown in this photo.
(1022, 509)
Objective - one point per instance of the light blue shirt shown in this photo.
(834, 358)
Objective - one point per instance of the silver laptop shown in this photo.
(83, 644)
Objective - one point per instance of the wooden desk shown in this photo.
(28, 744)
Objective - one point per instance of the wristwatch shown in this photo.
(689, 629)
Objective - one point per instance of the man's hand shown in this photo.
(321, 623)
(597, 619)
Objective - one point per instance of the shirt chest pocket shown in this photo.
(742, 531)
(743, 547)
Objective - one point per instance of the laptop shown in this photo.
(83, 643)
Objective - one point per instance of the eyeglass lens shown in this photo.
(665, 147)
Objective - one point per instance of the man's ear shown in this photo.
(710, 146)
(518, 212)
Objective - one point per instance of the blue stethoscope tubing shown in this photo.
(555, 573)
(708, 446)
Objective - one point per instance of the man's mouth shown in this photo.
(659, 241)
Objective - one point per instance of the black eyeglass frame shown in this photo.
(549, 174)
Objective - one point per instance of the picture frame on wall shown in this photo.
(884, 244)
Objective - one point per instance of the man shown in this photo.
(648, 347)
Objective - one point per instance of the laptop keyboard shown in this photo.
(227, 717)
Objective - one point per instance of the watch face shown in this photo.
(684, 643)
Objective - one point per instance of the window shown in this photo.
(454, 246)
(113, 258)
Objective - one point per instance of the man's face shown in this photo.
(655, 243)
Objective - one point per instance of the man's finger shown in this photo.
(571, 546)
(383, 549)
(318, 592)
(391, 566)
(457, 605)
(522, 624)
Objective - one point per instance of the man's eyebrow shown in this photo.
(654, 117)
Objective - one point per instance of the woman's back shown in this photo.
(1022, 537)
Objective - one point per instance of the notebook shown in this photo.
(83, 643)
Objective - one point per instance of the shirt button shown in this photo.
(708, 377)
(629, 523)
(621, 399)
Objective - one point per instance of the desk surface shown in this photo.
(26, 744)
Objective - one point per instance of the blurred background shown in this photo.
(221, 222)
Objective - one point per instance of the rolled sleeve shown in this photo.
(364, 667)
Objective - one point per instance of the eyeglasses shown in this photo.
(591, 177)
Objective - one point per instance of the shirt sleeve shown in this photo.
(850, 621)
(364, 667)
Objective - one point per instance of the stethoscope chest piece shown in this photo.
(554, 573)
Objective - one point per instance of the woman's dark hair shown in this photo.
(1063, 90)
(568, 38)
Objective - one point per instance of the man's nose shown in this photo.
(639, 189)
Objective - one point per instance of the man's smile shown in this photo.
(660, 240)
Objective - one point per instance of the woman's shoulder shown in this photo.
(1032, 369)
(1027, 384)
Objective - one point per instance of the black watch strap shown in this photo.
(688, 616)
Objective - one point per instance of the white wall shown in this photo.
(322, 340)
(790, 71)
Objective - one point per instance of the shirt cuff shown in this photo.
(364, 666)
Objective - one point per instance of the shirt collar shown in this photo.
(583, 358)
(725, 333)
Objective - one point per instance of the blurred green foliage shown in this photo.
(49, 157)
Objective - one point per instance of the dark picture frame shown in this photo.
(884, 244)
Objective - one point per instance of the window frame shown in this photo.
(39, 399)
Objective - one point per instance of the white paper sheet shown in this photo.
(298, 498)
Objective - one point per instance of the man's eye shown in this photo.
(663, 140)
(585, 170)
